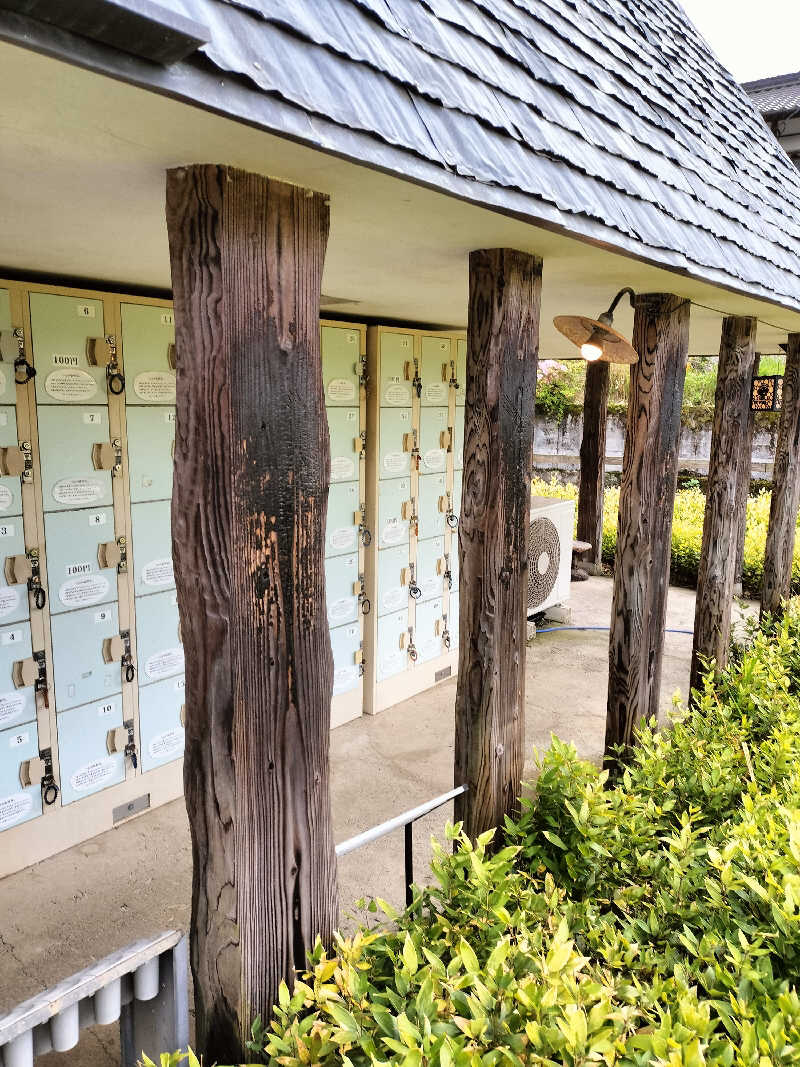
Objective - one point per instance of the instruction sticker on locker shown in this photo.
(85, 590)
(166, 744)
(14, 808)
(155, 386)
(394, 532)
(12, 705)
(3, 387)
(6, 498)
(77, 492)
(158, 572)
(164, 663)
(342, 469)
(436, 392)
(341, 389)
(70, 384)
(93, 774)
(9, 600)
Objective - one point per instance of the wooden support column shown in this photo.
(779, 549)
(743, 491)
(252, 463)
(502, 352)
(716, 573)
(593, 460)
(647, 495)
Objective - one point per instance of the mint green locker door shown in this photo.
(14, 605)
(392, 651)
(148, 352)
(435, 371)
(63, 330)
(453, 620)
(18, 804)
(17, 701)
(432, 434)
(432, 489)
(10, 485)
(151, 440)
(394, 458)
(458, 440)
(151, 534)
(71, 457)
(80, 671)
(341, 574)
(159, 650)
(345, 643)
(430, 567)
(160, 727)
(393, 568)
(341, 365)
(76, 541)
(84, 760)
(397, 349)
(341, 532)
(345, 444)
(392, 526)
(461, 372)
(429, 629)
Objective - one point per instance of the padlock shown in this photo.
(113, 649)
(31, 771)
(104, 456)
(117, 739)
(18, 569)
(12, 461)
(109, 554)
(24, 673)
(98, 353)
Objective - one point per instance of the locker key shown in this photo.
(113, 649)
(25, 672)
(12, 461)
(18, 569)
(109, 554)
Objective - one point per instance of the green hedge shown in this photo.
(687, 533)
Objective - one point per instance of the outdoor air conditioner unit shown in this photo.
(549, 552)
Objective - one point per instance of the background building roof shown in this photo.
(775, 97)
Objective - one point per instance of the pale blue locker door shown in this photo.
(394, 457)
(17, 705)
(392, 650)
(458, 440)
(341, 532)
(428, 630)
(454, 573)
(345, 444)
(148, 337)
(453, 620)
(151, 439)
(461, 372)
(74, 574)
(159, 650)
(17, 803)
(433, 437)
(14, 605)
(160, 727)
(458, 482)
(10, 485)
(345, 643)
(81, 674)
(432, 519)
(151, 536)
(85, 763)
(67, 437)
(341, 574)
(341, 365)
(397, 349)
(430, 567)
(392, 589)
(61, 326)
(435, 373)
(392, 526)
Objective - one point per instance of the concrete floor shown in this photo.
(135, 881)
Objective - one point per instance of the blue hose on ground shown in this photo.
(555, 629)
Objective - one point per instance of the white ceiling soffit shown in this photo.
(82, 188)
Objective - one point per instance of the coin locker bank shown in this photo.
(92, 707)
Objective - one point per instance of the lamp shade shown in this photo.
(579, 330)
(766, 393)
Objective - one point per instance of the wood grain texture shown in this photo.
(502, 353)
(716, 571)
(743, 491)
(252, 464)
(647, 494)
(779, 548)
(593, 460)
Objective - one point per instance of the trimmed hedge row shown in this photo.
(687, 533)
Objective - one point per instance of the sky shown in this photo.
(753, 40)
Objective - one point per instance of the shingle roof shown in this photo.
(776, 96)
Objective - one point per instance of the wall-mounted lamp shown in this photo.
(596, 338)
(766, 392)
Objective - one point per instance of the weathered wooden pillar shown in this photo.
(252, 465)
(502, 352)
(743, 491)
(716, 573)
(647, 495)
(593, 460)
(779, 550)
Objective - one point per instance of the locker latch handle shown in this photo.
(113, 554)
(13, 461)
(41, 768)
(445, 632)
(448, 574)
(12, 346)
(362, 378)
(121, 739)
(40, 685)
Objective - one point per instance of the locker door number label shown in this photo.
(106, 709)
(62, 360)
(19, 739)
(169, 417)
(86, 311)
(98, 518)
(15, 808)
(78, 568)
(102, 616)
(12, 707)
(180, 685)
(93, 418)
(70, 384)
(11, 637)
(7, 529)
(167, 318)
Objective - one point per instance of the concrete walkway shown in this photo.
(136, 880)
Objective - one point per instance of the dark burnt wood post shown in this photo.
(779, 550)
(716, 573)
(248, 524)
(502, 352)
(647, 495)
(743, 492)
(593, 460)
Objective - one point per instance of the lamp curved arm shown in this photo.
(608, 316)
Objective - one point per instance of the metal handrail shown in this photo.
(405, 820)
